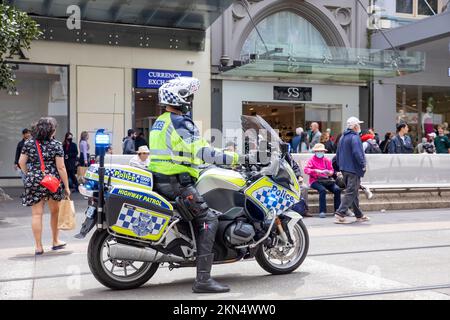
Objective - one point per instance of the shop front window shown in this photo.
(146, 110)
(42, 91)
(424, 9)
(287, 117)
(327, 116)
(146, 107)
(404, 6)
(423, 108)
(417, 8)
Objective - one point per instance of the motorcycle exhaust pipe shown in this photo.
(120, 251)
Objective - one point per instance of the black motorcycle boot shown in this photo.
(204, 283)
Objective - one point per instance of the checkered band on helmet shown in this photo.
(174, 92)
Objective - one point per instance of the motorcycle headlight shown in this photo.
(88, 188)
(270, 214)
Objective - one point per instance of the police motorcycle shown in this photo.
(138, 230)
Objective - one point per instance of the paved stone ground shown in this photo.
(398, 255)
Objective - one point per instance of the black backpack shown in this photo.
(372, 147)
(429, 148)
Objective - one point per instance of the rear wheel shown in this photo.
(283, 259)
(112, 273)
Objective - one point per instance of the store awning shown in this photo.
(184, 14)
(414, 34)
(330, 65)
(163, 24)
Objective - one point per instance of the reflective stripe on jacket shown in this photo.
(177, 147)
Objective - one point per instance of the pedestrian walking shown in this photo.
(370, 145)
(140, 141)
(84, 149)
(351, 161)
(230, 146)
(320, 171)
(385, 143)
(43, 156)
(401, 143)
(26, 134)
(332, 138)
(141, 160)
(314, 135)
(299, 143)
(427, 145)
(329, 145)
(446, 131)
(442, 142)
(128, 146)
(70, 160)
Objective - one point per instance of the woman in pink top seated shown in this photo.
(320, 170)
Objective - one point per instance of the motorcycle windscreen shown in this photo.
(257, 129)
(133, 212)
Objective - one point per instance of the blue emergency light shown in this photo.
(102, 139)
(102, 142)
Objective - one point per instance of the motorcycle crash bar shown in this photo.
(253, 245)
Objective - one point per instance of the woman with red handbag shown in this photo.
(42, 161)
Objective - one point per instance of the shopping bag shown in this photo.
(66, 216)
(81, 171)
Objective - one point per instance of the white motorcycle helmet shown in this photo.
(179, 93)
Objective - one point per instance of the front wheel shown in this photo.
(112, 273)
(283, 259)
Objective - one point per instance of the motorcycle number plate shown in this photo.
(90, 211)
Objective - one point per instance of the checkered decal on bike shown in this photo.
(140, 221)
(271, 201)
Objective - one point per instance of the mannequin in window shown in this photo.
(401, 116)
(427, 119)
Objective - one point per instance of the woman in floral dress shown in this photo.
(36, 195)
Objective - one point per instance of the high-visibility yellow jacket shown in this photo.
(177, 147)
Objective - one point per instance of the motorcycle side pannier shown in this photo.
(137, 213)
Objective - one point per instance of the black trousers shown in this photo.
(72, 178)
(205, 220)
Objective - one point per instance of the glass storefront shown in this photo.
(146, 110)
(43, 90)
(145, 96)
(423, 108)
(286, 117)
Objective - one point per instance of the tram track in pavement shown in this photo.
(377, 250)
(62, 275)
(380, 292)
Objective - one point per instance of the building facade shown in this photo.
(251, 29)
(105, 74)
(297, 62)
(397, 13)
(421, 99)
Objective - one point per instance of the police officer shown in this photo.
(176, 151)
